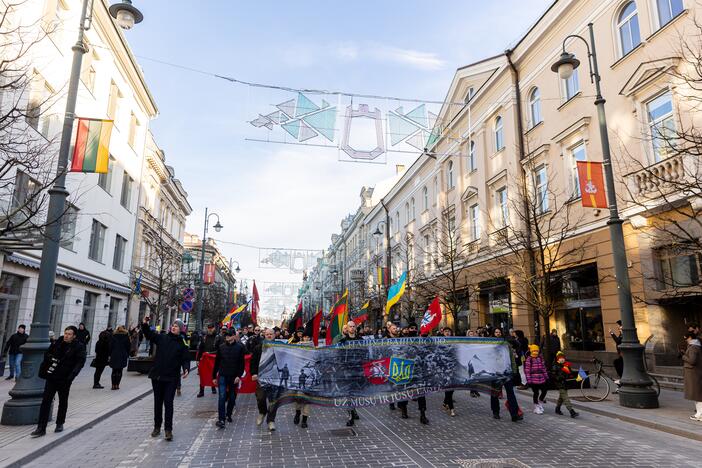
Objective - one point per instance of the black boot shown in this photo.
(558, 409)
(304, 422)
(354, 414)
(296, 419)
(392, 406)
(404, 412)
(201, 394)
(423, 418)
(214, 390)
(38, 432)
(573, 413)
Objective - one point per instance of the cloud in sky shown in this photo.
(409, 57)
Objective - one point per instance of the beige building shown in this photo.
(503, 176)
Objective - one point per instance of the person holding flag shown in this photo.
(562, 371)
(351, 335)
(421, 401)
(205, 358)
(227, 371)
(448, 394)
(268, 335)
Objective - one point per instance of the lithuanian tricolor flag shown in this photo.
(338, 318)
(91, 152)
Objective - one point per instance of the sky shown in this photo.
(292, 196)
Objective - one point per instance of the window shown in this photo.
(412, 210)
(469, 95)
(87, 69)
(105, 179)
(68, 227)
(118, 257)
(58, 302)
(38, 106)
(535, 107)
(133, 129)
(114, 310)
(499, 134)
(88, 316)
(425, 197)
(126, 197)
(407, 212)
(474, 216)
(397, 221)
(661, 124)
(97, 241)
(25, 196)
(678, 267)
(427, 253)
(436, 191)
(571, 86)
(449, 176)
(113, 102)
(502, 208)
(628, 28)
(577, 153)
(472, 163)
(667, 10)
(541, 189)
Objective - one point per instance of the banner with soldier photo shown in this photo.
(372, 372)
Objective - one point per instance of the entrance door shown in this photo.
(10, 289)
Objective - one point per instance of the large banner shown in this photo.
(372, 372)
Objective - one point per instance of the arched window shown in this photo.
(472, 163)
(397, 221)
(425, 196)
(449, 176)
(628, 28)
(436, 191)
(499, 134)
(535, 106)
(412, 211)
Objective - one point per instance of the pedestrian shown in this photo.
(83, 335)
(119, 355)
(692, 372)
(269, 335)
(302, 408)
(351, 335)
(102, 357)
(13, 350)
(421, 401)
(562, 371)
(133, 341)
(448, 395)
(536, 377)
(226, 374)
(62, 362)
(186, 342)
(209, 344)
(171, 356)
(619, 361)
(392, 331)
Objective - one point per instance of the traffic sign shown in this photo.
(186, 306)
(188, 294)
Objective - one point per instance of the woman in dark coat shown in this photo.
(102, 355)
(119, 355)
(692, 372)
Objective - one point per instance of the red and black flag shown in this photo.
(295, 321)
(312, 327)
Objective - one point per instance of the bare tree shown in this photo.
(537, 241)
(27, 149)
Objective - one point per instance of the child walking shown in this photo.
(561, 372)
(536, 377)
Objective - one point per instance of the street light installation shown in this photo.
(636, 390)
(23, 406)
(201, 279)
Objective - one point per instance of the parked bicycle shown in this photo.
(598, 384)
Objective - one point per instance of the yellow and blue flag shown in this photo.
(395, 292)
(233, 313)
(581, 374)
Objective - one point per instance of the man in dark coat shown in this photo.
(83, 335)
(256, 352)
(62, 362)
(171, 356)
(102, 356)
(351, 335)
(119, 355)
(208, 344)
(226, 373)
(12, 349)
(421, 401)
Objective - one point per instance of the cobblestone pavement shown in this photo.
(381, 439)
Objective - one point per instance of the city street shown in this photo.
(380, 438)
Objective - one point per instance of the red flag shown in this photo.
(208, 274)
(254, 304)
(432, 317)
(205, 367)
(316, 325)
(329, 339)
(246, 385)
(592, 188)
(360, 319)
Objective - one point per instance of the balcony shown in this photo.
(671, 177)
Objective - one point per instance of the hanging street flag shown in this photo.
(432, 317)
(592, 187)
(91, 151)
(382, 277)
(208, 275)
(339, 317)
(362, 314)
(395, 292)
(233, 313)
(137, 286)
(254, 304)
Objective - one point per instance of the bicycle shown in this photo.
(656, 385)
(596, 386)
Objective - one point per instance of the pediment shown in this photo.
(470, 192)
(647, 73)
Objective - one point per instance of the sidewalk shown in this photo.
(85, 407)
(673, 415)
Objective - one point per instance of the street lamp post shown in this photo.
(636, 390)
(201, 283)
(26, 395)
(388, 249)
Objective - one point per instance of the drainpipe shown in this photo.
(522, 154)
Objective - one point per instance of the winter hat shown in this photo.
(180, 324)
(560, 354)
(533, 348)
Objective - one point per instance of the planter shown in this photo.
(140, 364)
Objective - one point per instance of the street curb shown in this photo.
(637, 421)
(30, 456)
